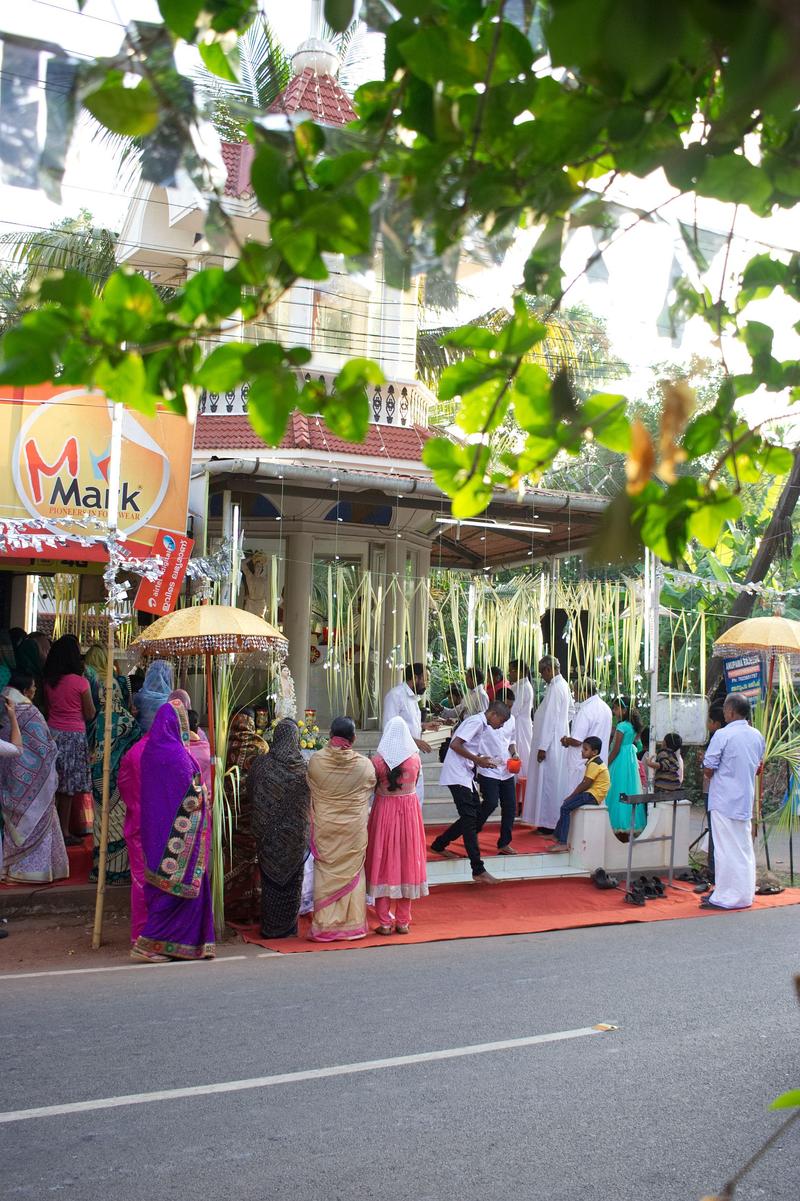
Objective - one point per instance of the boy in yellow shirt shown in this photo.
(592, 790)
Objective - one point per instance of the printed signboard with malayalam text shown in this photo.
(58, 442)
(161, 596)
(745, 674)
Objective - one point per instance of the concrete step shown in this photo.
(506, 867)
(443, 812)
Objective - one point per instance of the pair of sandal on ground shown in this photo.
(646, 888)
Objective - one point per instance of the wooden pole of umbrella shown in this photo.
(114, 474)
(108, 708)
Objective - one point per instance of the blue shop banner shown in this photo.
(745, 674)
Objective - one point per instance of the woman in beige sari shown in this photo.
(342, 783)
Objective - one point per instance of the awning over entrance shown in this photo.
(541, 525)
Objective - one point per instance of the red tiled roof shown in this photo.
(320, 95)
(237, 157)
(232, 431)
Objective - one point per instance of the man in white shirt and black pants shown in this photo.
(464, 756)
(731, 763)
(498, 786)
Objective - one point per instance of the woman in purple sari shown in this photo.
(175, 833)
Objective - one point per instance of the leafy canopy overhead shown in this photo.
(490, 117)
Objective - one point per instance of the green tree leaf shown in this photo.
(607, 418)
(180, 16)
(789, 1100)
(269, 175)
(348, 416)
(359, 373)
(707, 522)
(339, 14)
(224, 368)
(702, 435)
(210, 294)
(531, 396)
(446, 461)
(218, 62)
(732, 178)
(472, 498)
(132, 112)
(126, 383)
(30, 351)
(272, 397)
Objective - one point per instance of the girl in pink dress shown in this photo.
(396, 856)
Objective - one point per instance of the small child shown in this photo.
(667, 764)
(592, 790)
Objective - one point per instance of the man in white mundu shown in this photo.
(545, 787)
(592, 720)
(731, 763)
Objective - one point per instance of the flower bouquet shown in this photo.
(310, 737)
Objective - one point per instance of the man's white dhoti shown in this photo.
(734, 863)
(545, 783)
(733, 757)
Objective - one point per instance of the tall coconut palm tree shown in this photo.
(74, 242)
(576, 348)
(31, 254)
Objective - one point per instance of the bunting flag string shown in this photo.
(687, 579)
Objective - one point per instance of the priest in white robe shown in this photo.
(522, 709)
(731, 764)
(592, 719)
(545, 786)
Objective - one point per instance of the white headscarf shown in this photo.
(396, 744)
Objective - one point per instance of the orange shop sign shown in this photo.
(59, 441)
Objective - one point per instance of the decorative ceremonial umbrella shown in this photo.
(775, 635)
(209, 630)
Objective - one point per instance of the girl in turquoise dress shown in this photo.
(623, 767)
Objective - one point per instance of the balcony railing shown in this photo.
(398, 402)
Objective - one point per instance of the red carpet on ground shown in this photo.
(519, 907)
(525, 841)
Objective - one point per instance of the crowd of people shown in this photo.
(591, 753)
(336, 832)
(52, 740)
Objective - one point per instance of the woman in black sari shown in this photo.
(280, 803)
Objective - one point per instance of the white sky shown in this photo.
(638, 264)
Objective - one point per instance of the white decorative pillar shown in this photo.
(297, 592)
(394, 616)
(420, 631)
(226, 591)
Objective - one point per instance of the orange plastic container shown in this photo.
(514, 765)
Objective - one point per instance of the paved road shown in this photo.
(661, 1109)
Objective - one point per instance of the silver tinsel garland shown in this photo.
(18, 535)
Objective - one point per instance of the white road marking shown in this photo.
(122, 967)
(343, 1069)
